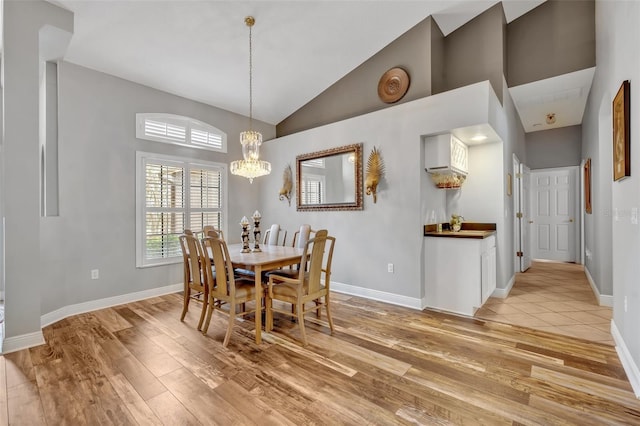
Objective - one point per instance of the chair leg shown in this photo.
(205, 303)
(210, 306)
(318, 308)
(185, 304)
(327, 305)
(268, 321)
(232, 320)
(300, 309)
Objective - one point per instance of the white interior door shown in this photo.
(525, 221)
(553, 214)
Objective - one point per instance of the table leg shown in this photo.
(259, 294)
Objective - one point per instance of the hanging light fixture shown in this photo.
(251, 166)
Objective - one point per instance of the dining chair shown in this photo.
(307, 287)
(207, 228)
(272, 236)
(300, 238)
(195, 284)
(225, 287)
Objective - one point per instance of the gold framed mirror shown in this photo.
(330, 179)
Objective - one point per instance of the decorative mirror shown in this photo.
(330, 179)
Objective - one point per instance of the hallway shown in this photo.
(554, 297)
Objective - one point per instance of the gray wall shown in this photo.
(390, 231)
(24, 278)
(475, 51)
(357, 92)
(554, 148)
(97, 185)
(48, 259)
(437, 59)
(555, 38)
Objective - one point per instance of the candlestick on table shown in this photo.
(256, 231)
(245, 235)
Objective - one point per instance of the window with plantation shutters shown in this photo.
(179, 130)
(174, 194)
(312, 189)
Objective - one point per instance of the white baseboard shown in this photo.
(504, 292)
(16, 343)
(630, 367)
(382, 296)
(108, 302)
(603, 300)
(24, 341)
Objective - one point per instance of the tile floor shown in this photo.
(554, 297)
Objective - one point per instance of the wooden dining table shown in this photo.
(269, 258)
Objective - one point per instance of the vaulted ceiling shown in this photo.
(200, 49)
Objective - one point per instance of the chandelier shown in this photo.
(251, 166)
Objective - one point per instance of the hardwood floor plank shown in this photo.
(111, 320)
(252, 406)
(203, 402)
(139, 364)
(153, 357)
(171, 411)
(132, 400)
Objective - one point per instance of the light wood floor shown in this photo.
(138, 364)
(555, 297)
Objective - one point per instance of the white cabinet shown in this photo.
(488, 256)
(460, 273)
(445, 154)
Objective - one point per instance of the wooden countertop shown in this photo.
(469, 230)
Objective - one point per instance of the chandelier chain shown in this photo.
(250, 25)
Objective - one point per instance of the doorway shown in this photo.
(522, 221)
(554, 205)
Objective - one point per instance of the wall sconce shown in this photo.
(287, 184)
(375, 170)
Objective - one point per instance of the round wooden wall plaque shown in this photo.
(393, 85)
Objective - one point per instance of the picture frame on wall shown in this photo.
(587, 186)
(621, 130)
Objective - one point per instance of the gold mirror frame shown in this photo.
(357, 204)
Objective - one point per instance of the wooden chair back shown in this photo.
(191, 254)
(218, 259)
(207, 229)
(195, 277)
(314, 273)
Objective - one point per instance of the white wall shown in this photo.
(389, 231)
(615, 243)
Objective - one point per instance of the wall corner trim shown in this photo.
(630, 367)
(603, 299)
(381, 296)
(94, 305)
(502, 293)
(24, 341)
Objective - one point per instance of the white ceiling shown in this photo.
(563, 96)
(199, 49)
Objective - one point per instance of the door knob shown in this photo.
(530, 221)
(571, 220)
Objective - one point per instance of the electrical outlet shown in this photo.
(625, 303)
(390, 267)
(95, 274)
